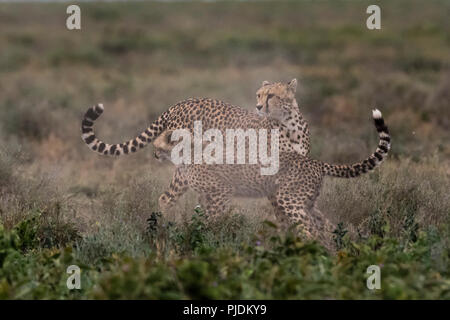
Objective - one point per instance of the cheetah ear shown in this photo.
(265, 83)
(292, 85)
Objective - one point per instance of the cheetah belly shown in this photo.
(246, 180)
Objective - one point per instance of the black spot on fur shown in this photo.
(379, 156)
(98, 110)
(89, 139)
(87, 123)
(101, 147)
(382, 147)
(91, 114)
(379, 122)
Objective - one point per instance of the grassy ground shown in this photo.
(60, 204)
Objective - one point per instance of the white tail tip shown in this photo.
(100, 106)
(376, 114)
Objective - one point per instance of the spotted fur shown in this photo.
(292, 191)
(294, 135)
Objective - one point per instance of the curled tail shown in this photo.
(88, 135)
(356, 169)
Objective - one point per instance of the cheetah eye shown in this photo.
(270, 96)
(258, 95)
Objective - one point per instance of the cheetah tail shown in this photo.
(88, 135)
(356, 169)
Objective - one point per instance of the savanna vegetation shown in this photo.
(61, 204)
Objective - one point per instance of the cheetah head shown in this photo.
(163, 146)
(276, 100)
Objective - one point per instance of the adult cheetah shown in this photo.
(216, 114)
(292, 191)
(274, 99)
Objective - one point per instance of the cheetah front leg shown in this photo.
(178, 186)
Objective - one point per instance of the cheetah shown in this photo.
(216, 114)
(292, 191)
(276, 99)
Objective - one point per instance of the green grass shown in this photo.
(185, 264)
(131, 252)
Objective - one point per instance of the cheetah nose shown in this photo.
(259, 107)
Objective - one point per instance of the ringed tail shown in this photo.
(374, 160)
(133, 145)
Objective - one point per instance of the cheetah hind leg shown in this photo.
(178, 186)
(311, 225)
(308, 221)
(215, 204)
